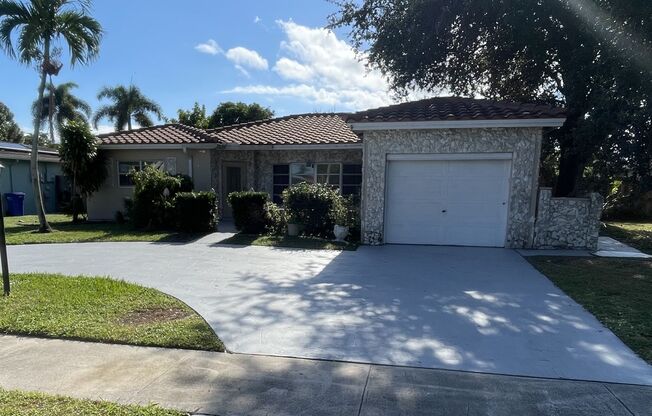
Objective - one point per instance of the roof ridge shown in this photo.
(156, 126)
(271, 120)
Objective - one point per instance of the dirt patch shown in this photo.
(153, 315)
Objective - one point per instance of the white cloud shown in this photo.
(257, 19)
(209, 47)
(103, 128)
(244, 58)
(321, 69)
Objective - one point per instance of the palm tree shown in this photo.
(60, 105)
(40, 26)
(129, 104)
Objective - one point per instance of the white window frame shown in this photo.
(315, 174)
(165, 165)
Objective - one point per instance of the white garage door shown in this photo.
(447, 202)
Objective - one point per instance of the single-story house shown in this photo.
(16, 176)
(444, 170)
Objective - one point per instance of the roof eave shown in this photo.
(455, 124)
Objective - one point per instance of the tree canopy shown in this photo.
(228, 113)
(65, 106)
(195, 117)
(128, 105)
(591, 56)
(9, 129)
(81, 161)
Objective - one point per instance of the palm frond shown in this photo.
(82, 34)
(143, 119)
(105, 111)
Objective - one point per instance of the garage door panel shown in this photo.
(450, 202)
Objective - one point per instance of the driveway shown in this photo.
(475, 309)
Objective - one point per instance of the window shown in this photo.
(281, 181)
(125, 168)
(346, 177)
(351, 179)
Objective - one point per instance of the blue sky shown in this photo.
(272, 52)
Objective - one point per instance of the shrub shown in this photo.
(315, 206)
(275, 218)
(248, 211)
(195, 211)
(151, 207)
(352, 217)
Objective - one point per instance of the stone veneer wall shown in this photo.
(523, 143)
(260, 163)
(567, 222)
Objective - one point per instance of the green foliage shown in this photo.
(315, 206)
(592, 57)
(352, 217)
(228, 113)
(82, 162)
(195, 117)
(129, 104)
(152, 206)
(196, 211)
(275, 218)
(249, 211)
(9, 129)
(66, 107)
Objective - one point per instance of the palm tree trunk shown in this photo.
(44, 227)
(51, 111)
(129, 123)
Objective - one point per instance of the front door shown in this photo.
(234, 181)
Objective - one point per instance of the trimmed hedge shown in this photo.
(196, 211)
(315, 206)
(249, 212)
(276, 219)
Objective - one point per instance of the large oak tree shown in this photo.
(591, 56)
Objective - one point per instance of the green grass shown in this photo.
(24, 230)
(617, 291)
(18, 403)
(103, 310)
(287, 241)
(635, 234)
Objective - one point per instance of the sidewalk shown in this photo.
(224, 384)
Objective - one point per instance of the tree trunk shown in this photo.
(570, 170)
(51, 111)
(129, 123)
(44, 227)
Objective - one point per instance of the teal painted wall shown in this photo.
(16, 177)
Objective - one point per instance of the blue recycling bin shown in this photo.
(15, 203)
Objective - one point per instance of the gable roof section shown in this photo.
(164, 134)
(290, 130)
(456, 109)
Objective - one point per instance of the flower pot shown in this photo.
(294, 229)
(341, 232)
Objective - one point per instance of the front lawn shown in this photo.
(287, 241)
(103, 310)
(24, 230)
(617, 291)
(18, 403)
(635, 234)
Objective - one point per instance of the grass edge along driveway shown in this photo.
(101, 310)
(23, 230)
(19, 403)
(618, 292)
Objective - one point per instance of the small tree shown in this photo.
(82, 162)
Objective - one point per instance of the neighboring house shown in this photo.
(17, 177)
(445, 170)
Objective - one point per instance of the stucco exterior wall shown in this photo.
(567, 222)
(523, 143)
(17, 177)
(260, 163)
(109, 199)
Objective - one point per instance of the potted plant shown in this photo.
(341, 227)
(294, 228)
